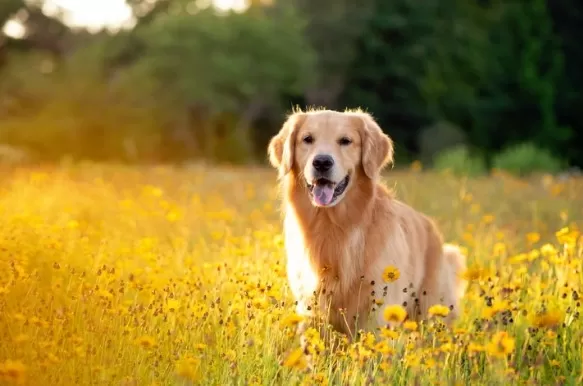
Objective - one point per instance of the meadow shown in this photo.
(118, 275)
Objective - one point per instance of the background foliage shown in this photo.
(189, 82)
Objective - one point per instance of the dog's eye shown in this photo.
(344, 141)
(308, 139)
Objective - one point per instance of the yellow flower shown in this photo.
(548, 319)
(296, 359)
(231, 355)
(499, 249)
(474, 273)
(518, 258)
(172, 305)
(388, 333)
(488, 218)
(391, 274)
(501, 345)
(188, 367)
(394, 314)
(473, 347)
(292, 320)
(438, 310)
(416, 166)
(13, 371)
(146, 341)
(410, 325)
(21, 338)
(497, 307)
(532, 237)
(383, 348)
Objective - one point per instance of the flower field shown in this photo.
(116, 275)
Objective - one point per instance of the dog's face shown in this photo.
(329, 150)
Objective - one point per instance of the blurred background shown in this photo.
(471, 82)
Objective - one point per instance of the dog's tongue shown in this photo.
(323, 194)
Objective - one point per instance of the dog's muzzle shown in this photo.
(324, 192)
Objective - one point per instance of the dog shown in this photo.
(343, 228)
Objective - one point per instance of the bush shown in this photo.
(459, 161)
(439, 137)
(526, 158)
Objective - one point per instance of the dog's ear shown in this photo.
(282, 145)
(377, 147)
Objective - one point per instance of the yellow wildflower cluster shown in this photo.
(158, 275)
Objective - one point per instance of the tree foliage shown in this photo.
(216, 85)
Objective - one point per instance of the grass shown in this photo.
(164, 276)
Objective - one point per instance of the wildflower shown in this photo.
(501, 345)
(292, 320)
(438, 310)
(474, 347)
(499, 249)
(488, 219)
(231, 355)
(416, 166)
(13, 371)
(189, 368)
(172, 305)
(518, 258)
(387, 333)
(146, 341)
(394, 314)
(474, 273)
(21, 338)
(410, 325)
(532, 237)
(548, 319)
(497, 307)
(567, 236)
(548, 250)
(391, 274)
(383, 348)
(315, 379)
(296, 359)
(314, 342)
(533, 255)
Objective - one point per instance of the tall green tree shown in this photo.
(332, 30)
(567, 17)
(216, 66)
(416, 65)
(518, 98)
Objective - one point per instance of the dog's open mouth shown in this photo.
(325, 192)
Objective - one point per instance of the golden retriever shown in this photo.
(343, 228)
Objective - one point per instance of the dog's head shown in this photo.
(329, 150)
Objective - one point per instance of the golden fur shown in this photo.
(339, 252)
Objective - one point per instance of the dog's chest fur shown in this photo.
(326, 267)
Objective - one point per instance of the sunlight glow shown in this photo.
(98, 14)
(224, 5)
(93, 14)
(14, 29)
(112, 14)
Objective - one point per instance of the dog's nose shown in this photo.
(322, 163)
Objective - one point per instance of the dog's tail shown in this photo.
(458, 262)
